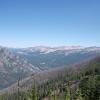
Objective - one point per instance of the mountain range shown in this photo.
(21, 63)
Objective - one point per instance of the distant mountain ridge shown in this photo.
(51, 57)
(22, 62)
(45, 49)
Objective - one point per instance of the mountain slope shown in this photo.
(21, 63)
(12, 67)
(80, 76)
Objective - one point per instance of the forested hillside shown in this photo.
(81, 82)
(15, 63)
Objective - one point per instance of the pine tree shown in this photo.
(67, 93)
(34, 94)
(79, 95)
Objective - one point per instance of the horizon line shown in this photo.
(49, 46)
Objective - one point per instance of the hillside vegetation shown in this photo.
(81, 82)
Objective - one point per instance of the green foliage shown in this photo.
(90, 87)
(67, 93)
(79, 95)
(33, 94)
(86, 82)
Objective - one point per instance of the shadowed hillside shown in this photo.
(78, 82)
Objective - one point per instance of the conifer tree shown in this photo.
(67, 93)
(79, 95)
(34, 93)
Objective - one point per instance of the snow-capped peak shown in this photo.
(44, 49)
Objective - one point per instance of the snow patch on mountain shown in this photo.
(46, 50)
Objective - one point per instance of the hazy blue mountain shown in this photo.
(47, 57)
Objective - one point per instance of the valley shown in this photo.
(45, 73)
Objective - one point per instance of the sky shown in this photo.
(28, 23)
